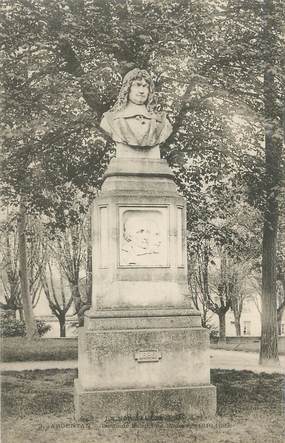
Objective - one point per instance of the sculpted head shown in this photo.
(134, 120)
(138, 88)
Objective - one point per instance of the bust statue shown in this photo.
(132, 122)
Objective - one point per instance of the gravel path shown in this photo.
(239, 360)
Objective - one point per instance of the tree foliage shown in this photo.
(217, 66)
(67, 71)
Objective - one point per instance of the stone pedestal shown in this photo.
(142, 350)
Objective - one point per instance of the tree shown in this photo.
(30, 320)
(273, 156)
(215, 286)
(9, 270)
(249, 50)
(59, 301)
(71, 250)
(239, 294)
(36, 256)
(22, 249)
(196, 280)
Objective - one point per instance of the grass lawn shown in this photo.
(21, 349)
(37, 406)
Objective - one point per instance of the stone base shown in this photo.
(179, 402)
(153, 352)
(156, 363)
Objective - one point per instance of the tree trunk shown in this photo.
(62, 326)
(237, 309)
(204, 318)
(273, 150)
(222, 326)
(279, 319)
(279, 323)
(237, 326)
(30, 321)
(269, 333)
(76, 296)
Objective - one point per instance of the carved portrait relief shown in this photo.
(143, 237)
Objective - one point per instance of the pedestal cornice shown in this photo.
(139, 167)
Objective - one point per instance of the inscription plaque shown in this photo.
(152, 355)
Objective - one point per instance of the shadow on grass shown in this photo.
(241, 391)
(37, 392)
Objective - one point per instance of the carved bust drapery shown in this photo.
(132, 122)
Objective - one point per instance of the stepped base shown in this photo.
(144, 404)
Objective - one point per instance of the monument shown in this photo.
(142, 350)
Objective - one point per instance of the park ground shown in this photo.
(37, 405)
